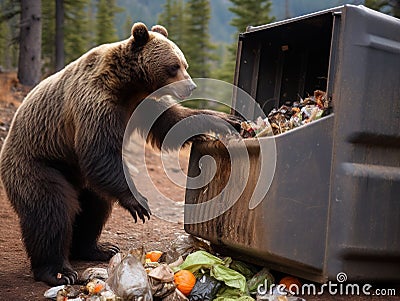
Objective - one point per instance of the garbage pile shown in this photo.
(288, 117)
(186, 271)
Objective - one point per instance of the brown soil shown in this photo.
(16, 282)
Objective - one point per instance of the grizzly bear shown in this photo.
(61, 164)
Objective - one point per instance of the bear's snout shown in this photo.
(188, 89)
(192, 85)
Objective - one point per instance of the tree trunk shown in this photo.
(29, 62)
(60, 55)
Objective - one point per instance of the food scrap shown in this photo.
(184, 281)
(289, 116)
(188, 270)
(153, 256)
(259, 128)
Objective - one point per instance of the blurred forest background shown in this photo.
(39, 37)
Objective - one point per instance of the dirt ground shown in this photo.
(16, 282)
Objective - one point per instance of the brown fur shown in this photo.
(61, 162)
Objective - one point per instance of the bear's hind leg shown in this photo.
(46, 209)
(88, 226)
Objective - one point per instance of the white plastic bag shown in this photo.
(128, 280)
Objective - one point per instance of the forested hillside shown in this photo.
(205, 30)
(220, 29)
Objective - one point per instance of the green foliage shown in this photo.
(250, 12)
(390, 7)
(77, 39)
(227, 71)
(247, 12)
(172, 18)
(48, 35)
(138, 10)
(105, 26)
(9, 20)
(396, 8)
(188, 27)
(4, 34)
(197, 47)
(9, 9)
(128, 27)
(76, 28)
(376, 4)
(92, 22)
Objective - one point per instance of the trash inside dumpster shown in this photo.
(333, 203)
(288, 116)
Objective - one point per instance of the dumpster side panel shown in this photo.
(334, 203)
(287, 229)
(364, 226)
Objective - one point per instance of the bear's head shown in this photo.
(160, 61)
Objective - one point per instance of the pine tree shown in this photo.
(59, 38)
(247, 12)
(198, 48)
(9, 24)
(48, 36)
(29, 61)
(105, 26)
(391, 7)
(250, 12)
(396, 8)
(128, 26)
(165, 18)
(376, 4)
(173, 19)
(3, 42)
(77, 38)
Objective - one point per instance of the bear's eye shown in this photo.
(174, 69)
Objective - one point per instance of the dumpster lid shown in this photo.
(332, 10)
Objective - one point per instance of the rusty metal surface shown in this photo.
(334, 204)
(287, 229)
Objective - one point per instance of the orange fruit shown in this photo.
(184, 281)
(98, 288)
(291, 283)
(154, 256)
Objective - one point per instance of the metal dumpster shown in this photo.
(334, 202)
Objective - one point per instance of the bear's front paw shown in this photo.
(234, 121)
(222, 123)
(140, 209)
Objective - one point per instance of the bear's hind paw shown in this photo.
(98, 252)
(53, 278)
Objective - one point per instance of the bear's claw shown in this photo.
(49, 275)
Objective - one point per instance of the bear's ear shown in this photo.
(140, 34)
(160, 29)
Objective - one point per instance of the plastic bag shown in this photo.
(114, 262)
(206, 288)
(262, 279)
(91, 273)
(62, 291)
(183, 245)
(161, 281)
(128, 280)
